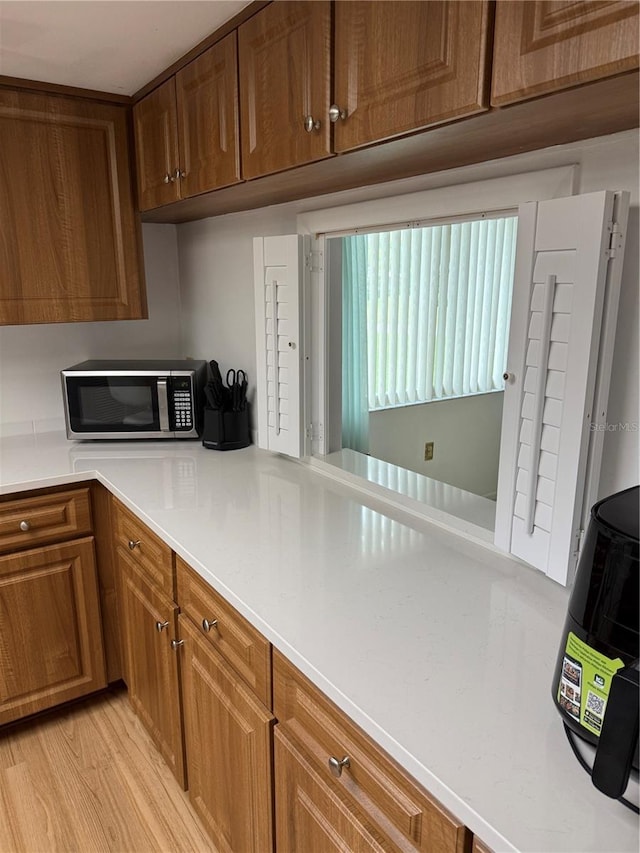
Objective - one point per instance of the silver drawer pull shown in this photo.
(208, 625)
(175, 644)
(133, 543)
(336, 766)
(24, 526)
(160, 626)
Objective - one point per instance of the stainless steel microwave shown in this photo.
(134, 399)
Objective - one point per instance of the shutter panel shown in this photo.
(278, 271)
(563, 273)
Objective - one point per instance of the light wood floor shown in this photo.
(88, 779)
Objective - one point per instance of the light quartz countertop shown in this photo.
(440, 650)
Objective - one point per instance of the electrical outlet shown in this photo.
(428, 451)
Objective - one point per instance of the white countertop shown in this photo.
(442, 651)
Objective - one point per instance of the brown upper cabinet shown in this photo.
(69, 235)
(366, 78)
(541, 47)
(187, 129)
(285, 65)
(401, 67)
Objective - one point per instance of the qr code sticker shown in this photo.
(595, 704)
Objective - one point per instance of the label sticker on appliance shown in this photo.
(585, 682)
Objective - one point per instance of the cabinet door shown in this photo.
(284, 55)
(50, 632)
(309, 814)
(541, 47)
(228, 739)
(401, 66)
(156, 133)
(69, 236)
(149, 625)
(207, 97)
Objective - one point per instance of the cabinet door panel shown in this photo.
(548, 45)
(228, 738)
(151, 662)
(207, 99)
(50, 631)
(69, 238)
(309, 814)
(156, 133)
(401, 66)
(284, 54)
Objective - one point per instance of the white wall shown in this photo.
(465, 433)
(216, 274)
(31, 357)
(216, 284)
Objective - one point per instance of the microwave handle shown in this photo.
(163, 405)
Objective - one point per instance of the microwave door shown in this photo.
(105, 406)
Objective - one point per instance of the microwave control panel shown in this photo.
(181, 404)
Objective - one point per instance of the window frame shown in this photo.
(500, 197)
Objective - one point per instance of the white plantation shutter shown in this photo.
(278, 272)
(563, 273)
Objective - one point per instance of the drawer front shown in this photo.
(27, 522)
(244, 648)
(372, 779)
(149, 553)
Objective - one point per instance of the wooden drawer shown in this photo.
(47, 518)
(150, 553)
(380, 789)
(248, 652)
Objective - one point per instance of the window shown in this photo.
(566, 284)
(429, 308)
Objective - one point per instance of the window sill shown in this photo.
(447, 506)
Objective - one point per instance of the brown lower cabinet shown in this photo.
(149, 634)
(337, 790)
(309, 814)
(228, 740)
(51, 647)
(204, 682)
(50, 631)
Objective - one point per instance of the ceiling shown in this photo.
(108, 45)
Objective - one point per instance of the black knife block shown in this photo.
(226, 430)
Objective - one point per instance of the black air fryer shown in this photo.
(595, 685)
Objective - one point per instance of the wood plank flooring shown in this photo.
(88, 778)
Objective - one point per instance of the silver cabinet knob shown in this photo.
(336, 113)
(311, 124)
(133, 543)
(336, 765)
(179, 173)
(168, 179)
(175, 644)
(508, 377)
(24, 526)
(160, 626)
(207, 625)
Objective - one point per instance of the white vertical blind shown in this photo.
(438, 308)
